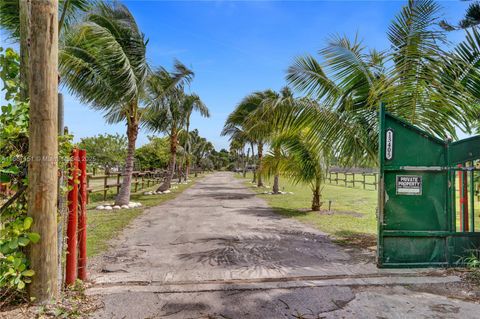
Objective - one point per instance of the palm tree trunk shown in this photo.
(187, 167)
(123, 196)
(245, 163)
(253, 164)
(316, 204)
(187, 150)
(276, 187)
(179, 171)
(260, 157)
(167, 183)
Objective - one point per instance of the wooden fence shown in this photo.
(365, 180)
(103, 183)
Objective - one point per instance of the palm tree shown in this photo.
(273, 103)
(194, 103)
(15, 20)
(241, 124)
(201, 148)
(471, 18)
(168, 110)
(300, 162)
(409, 78)
(103, 63)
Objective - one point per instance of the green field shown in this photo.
(103, 225)
(352, 215)
(351, 218)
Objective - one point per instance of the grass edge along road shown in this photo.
(351, 221)
(102, 225)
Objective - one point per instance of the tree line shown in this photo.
(96, 51)
(421, 78)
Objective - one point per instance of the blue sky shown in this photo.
(239, 47)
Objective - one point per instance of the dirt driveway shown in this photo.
(218, 251)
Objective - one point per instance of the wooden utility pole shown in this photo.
(24, 15)
(43, 147)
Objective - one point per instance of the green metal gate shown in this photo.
(418, 223)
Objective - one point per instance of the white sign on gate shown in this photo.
(389, 144)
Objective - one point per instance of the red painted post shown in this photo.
(463, 199)
(82, 221)
(71, 265)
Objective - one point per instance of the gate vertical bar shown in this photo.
(465, 200)
(71, 264)
(472, 200)
(82, 222)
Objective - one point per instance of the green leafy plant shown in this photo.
(14, 272)
(15, 233)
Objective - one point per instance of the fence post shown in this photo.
(336, 177)
(375, 180)
(118, 182)
(82, 222)
(105, 186)
(71, 263)
(353, 180)
(364, 181)
(136, 182)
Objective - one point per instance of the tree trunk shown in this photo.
(253, 164)
(24, 15)
(245, 164)
(123, 196)
(187, 167)
(167, 183)
(276, 187)
(179, 171)
(259, 172)
(316, 204)
(187, 149)
(43, 148)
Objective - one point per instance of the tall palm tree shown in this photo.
(471, 18)
(103, 63)
(167, 110)
(409, 77)
(241, 124)
(193, 103)
(273, 103)
(201, 148)
(15, 20)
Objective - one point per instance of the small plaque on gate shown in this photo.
(409, 185)
(389, 144)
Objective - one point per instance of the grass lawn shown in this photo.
(104, 225)
(352, 219)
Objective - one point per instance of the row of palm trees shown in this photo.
(103, 62)
(335, 114)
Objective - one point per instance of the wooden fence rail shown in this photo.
(353, 180)
(140, 180)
